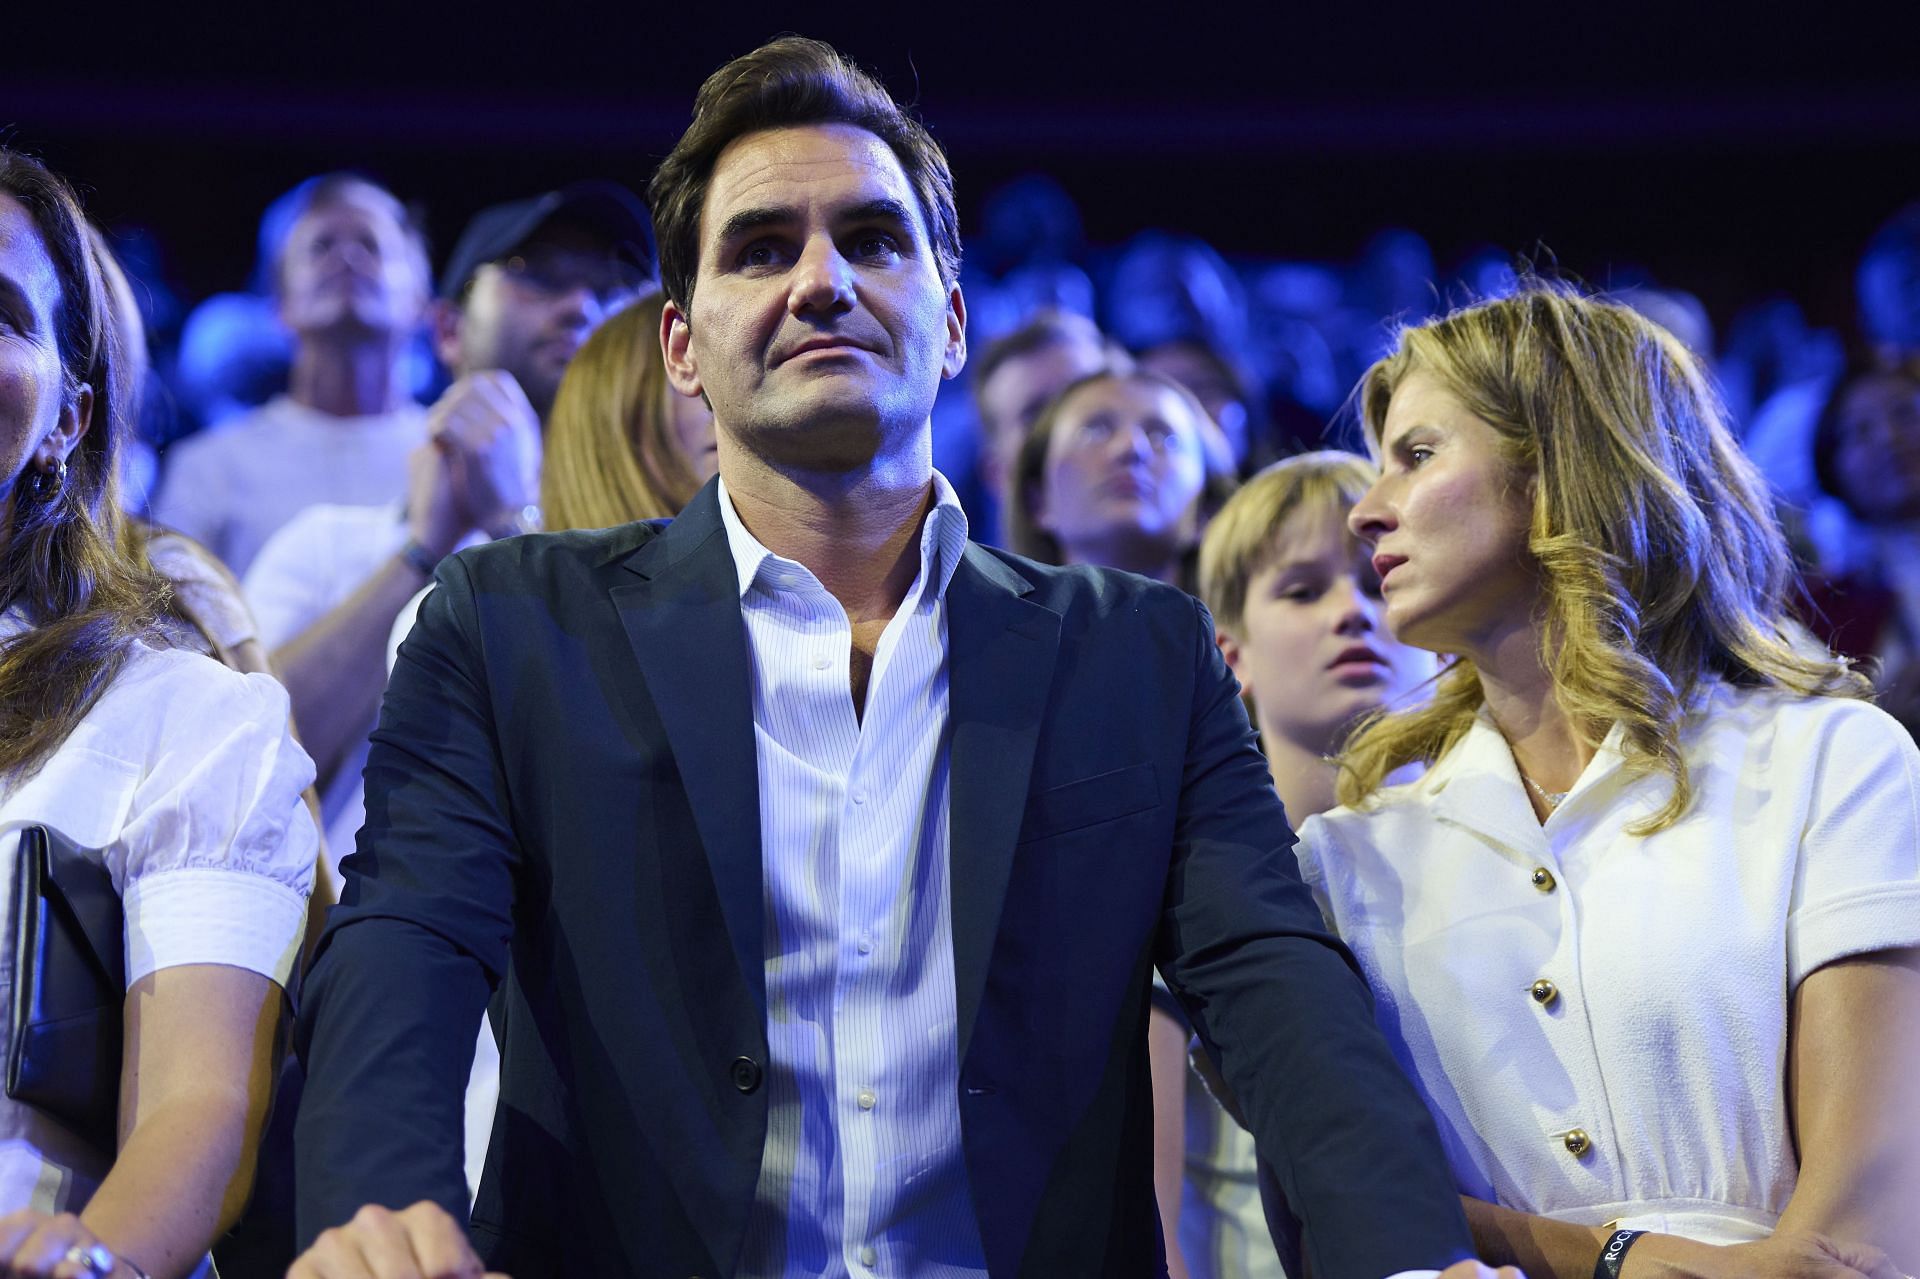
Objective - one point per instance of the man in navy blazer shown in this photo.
(567, 799)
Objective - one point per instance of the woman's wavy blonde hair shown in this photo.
(1663, 566)
(610, 452)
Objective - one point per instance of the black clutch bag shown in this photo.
(69, 987)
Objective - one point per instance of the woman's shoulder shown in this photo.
(1798, 722)
(163, 694)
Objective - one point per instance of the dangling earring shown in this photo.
(47, 484)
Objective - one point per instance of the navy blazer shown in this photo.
(562, 797)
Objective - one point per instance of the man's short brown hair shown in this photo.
(787, 83)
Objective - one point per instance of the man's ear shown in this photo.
(676, 348)
(443, 323)
(955, 357)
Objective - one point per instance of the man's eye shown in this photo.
(759, 254)
(876, 245)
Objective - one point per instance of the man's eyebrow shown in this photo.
(884, 209)
(748, 220)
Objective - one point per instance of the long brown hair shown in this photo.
(1663, 563)
(611, 455)
(86, 601)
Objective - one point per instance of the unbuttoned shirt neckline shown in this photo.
(862, 1172)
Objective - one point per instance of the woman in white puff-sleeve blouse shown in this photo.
(1644, 933)
(177, 772)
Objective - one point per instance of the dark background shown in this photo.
(1733, 153)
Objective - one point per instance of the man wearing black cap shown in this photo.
(530, 279)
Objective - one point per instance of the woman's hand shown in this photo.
(1786, 1254)
(49, 1245)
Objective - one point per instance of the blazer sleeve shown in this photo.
(1280, 1004)
(402, 973)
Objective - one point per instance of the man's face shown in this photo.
(350, 267)
(1018, 390)
(819, 327)
(529, 313)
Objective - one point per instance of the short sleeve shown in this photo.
(286, 586)
(1857, 883)
(215, 860)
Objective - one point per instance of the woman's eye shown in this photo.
(1419, 455)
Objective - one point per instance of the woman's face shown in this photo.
(1123, 469)
(1313, 651)
(690, 425)
(37, 422)
(1877, 447)
(1448, 521)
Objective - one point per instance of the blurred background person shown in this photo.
(351, 288)
(1122, 470)
(179, 775)
(1866, 456)
(1014, 378)
(622, 444)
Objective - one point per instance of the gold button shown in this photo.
(1542, 879)
(1544, 992)
(1578, 1143)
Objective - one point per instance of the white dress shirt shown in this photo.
(862, 1173)
(1598, 1020)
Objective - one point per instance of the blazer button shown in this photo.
(1578, 1143)
(746, 1073)
(1542, 879)
(1544, 992)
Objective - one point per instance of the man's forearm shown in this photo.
(335, 670)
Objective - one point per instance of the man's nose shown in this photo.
(822, 280)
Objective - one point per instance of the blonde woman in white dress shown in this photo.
(1645, 931)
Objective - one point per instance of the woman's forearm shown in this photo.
(180, 1181)
(1542, 1247)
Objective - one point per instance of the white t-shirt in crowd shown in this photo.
(184, 780)
(231, 486)
(1646, 1081)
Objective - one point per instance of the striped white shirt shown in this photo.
(862, 1172)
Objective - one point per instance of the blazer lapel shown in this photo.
(1001, 651)
(683, 620)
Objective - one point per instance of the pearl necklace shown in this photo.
(1551, 798)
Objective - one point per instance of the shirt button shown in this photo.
(1544, 993)
(866, 944)
(866, 1099)
(1577, 1143)
(867, 1255)
(859, 797)
(821, 662)
(1542, 879)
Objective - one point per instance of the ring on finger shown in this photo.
(97, 1259)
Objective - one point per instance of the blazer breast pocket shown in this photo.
(1090, 801)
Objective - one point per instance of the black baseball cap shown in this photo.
(607, 207)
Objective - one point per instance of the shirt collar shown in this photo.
(943, 538)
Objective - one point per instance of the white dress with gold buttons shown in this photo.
(1598, 1021)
